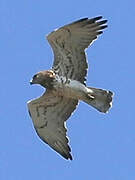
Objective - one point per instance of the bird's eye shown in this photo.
(35, 76)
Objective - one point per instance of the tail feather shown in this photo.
(99, 99)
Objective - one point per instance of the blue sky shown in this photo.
(103, 146)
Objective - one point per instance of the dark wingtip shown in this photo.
(97, 18)
(70, 157)
(102, 22)
(105, 21)
(103, 27)
(93, 20)
(100, 32)
(67, 156)
(81, 20)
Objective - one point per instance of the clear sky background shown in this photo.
(103, 146)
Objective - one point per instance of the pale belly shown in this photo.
(71, 88)
(74, 89)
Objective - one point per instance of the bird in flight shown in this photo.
(65, 83)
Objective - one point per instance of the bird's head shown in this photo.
(44, 78)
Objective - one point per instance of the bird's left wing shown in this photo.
(49, 114)
(69, 43)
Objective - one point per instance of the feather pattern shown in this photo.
(65, 83)
(69, 44)
(49, 114)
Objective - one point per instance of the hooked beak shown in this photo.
(31, 82)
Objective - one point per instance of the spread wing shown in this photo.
(49, 114)
(69, 44)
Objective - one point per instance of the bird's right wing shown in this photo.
(69, 43)
(49, 114)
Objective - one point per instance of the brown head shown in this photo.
(44, 78)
